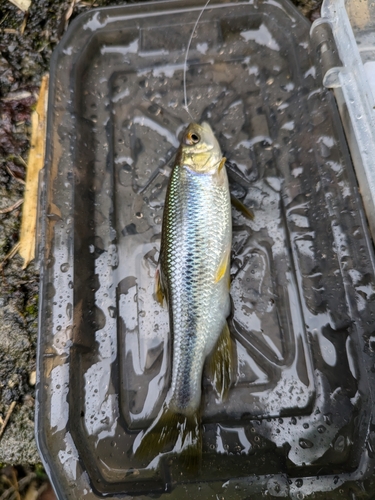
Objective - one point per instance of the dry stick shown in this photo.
(11, 207)
(9, 256)
(22, 483)
(7, 417)
(14, 177)
(24, 22)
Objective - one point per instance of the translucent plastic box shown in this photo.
(299, 421)
(352, 76)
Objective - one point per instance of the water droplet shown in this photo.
(64, 267)
(69, 309)
(299, 483)
(112, 311)
(339, 444)
(305, 444)
(123, 174)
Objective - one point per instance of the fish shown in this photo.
(193, 279)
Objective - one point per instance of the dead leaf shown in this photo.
(35, 163)
(65, 18)
(22, 4)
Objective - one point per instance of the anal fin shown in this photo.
(159, 292)
(221, 364)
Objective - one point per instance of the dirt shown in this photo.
(26, 45)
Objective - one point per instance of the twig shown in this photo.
(21, 160)
(14, 177)
(24, 22)
(11, 207)
(4, 18)
(9, 256)
(22, 483)
(7, 417)
(17, 96)
(42, 489)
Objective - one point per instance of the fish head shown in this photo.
(199, 148)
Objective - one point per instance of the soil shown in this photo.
(26, 44)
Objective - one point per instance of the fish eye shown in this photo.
(192, 138)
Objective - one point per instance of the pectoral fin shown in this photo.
(221, 364)
(224, 264)
(246, 212)
(222, 163)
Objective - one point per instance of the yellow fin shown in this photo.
(165, 431)
(246, 212)
(222, 269)
(222, 163)
(159, 293)
(221, 364)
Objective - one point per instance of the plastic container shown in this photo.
(352, 24)
(299, 421)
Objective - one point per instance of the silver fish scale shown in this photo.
(196, 234)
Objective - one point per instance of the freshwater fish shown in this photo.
(193, 278)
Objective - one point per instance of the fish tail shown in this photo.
(191, 453)
(166, 430)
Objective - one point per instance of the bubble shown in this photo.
(64, 267)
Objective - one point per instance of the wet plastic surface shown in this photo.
(299, 421)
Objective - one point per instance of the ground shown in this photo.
(26, 45)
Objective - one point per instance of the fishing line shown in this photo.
(186, 56)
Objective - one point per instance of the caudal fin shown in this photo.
(168, 428)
